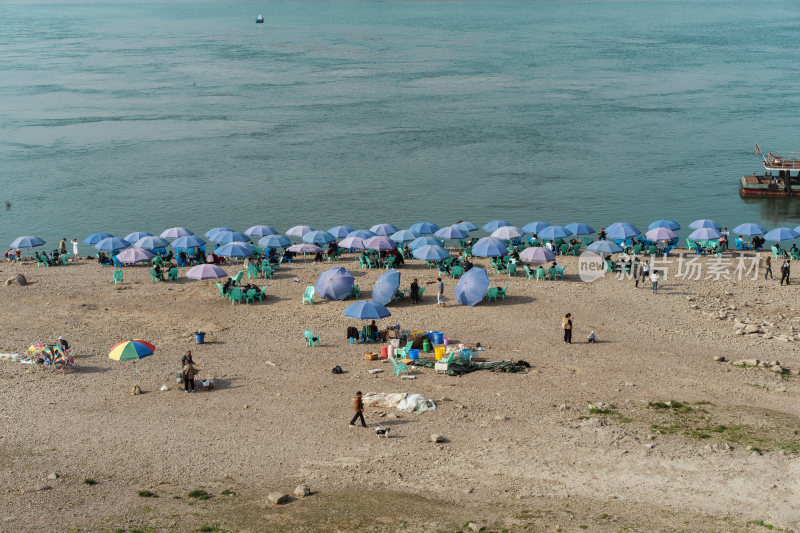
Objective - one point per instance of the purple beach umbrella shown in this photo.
(380, 242)
(174, 233)
(660, 234)
(334, 284)
(537, 254)
(352, 243)
(298, 231)
(134, 255)
(305, 248)
(383, 229)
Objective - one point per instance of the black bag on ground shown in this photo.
(337, 370)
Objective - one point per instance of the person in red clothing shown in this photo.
(358, 405)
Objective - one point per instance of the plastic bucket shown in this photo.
(446, 341)
(199, 337)
(438, 337)
(391, 350)
(413, 354)
(439, 351)
(384, 352)
(395, 343)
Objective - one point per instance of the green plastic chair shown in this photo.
(308, 296)
(403, 352)
(238, 277)
(398, 366)
(540, 274)
(64, 258)
(252, 271)
(236, 296)
(173, 274)
(493, 292)
(262, 293)
(250, 296)
(795, 253)
(528, 273)
(155, 278)
(421, 292)
(355, 292)
(310, 338)
(456, 272)
(117, 277)
(511, 270)
(502, 292)
(221, 291)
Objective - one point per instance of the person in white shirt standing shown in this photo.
(74, 248)
(654, 277)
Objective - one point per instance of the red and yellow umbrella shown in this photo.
(131, 350)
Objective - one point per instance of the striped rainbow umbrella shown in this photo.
(131, 350)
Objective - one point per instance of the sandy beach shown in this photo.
(643, 431)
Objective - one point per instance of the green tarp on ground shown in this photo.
(460, 366)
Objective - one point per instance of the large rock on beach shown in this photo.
(752, 328)
(19, 279)
(301, 491)
(278, 498)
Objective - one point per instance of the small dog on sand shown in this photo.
(382, 432)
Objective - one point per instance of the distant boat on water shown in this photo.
(259, 19)
(783, 183)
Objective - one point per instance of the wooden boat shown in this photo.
(780, 179)
(259, 19)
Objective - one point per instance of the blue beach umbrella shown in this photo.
(554, 232)
(94, 238)
(781, 234)
(380, 242)
(298, 231)
(361, 234)
(260, 231)
(174, 233)
(352, 243)
(664, 223)
(660, 234)
(534, 227)
(334, 284)
(151, 243)
(750, 229)
(136, 235)
(472, 286)
(187, 241)
(404, 235)
(424, 241)
(494, 224)
(507, 233)
(451, 232)
(466, 226)
(28, 241)
(704, 223)
(110, 244)
(340, 232)
(705, 234)
(604, 247)
(424, 228)
(383, 229)
(489, 247)
(580, 229)
(430, 253)
(366, 310)
(386, 287)
(212, 231)
(274, 241)
(318, 237)
(621, 230)
(225, 237)
(235, 249)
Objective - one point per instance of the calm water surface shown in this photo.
(126, 116)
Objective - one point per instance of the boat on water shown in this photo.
(781, 176)
(259, 19)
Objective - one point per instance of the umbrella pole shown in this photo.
(134, 373)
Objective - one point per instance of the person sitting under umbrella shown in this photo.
(159, 273)
(228, 286)
(466, 265)
(414, 291)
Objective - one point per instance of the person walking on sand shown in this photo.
(636, 267)
(189, 372)
(654, 277)
(566, 325)
(785, 268)
(768, 270)
(440, 294)
(358, 405)
(62, 246)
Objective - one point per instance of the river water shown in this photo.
(137, 116)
